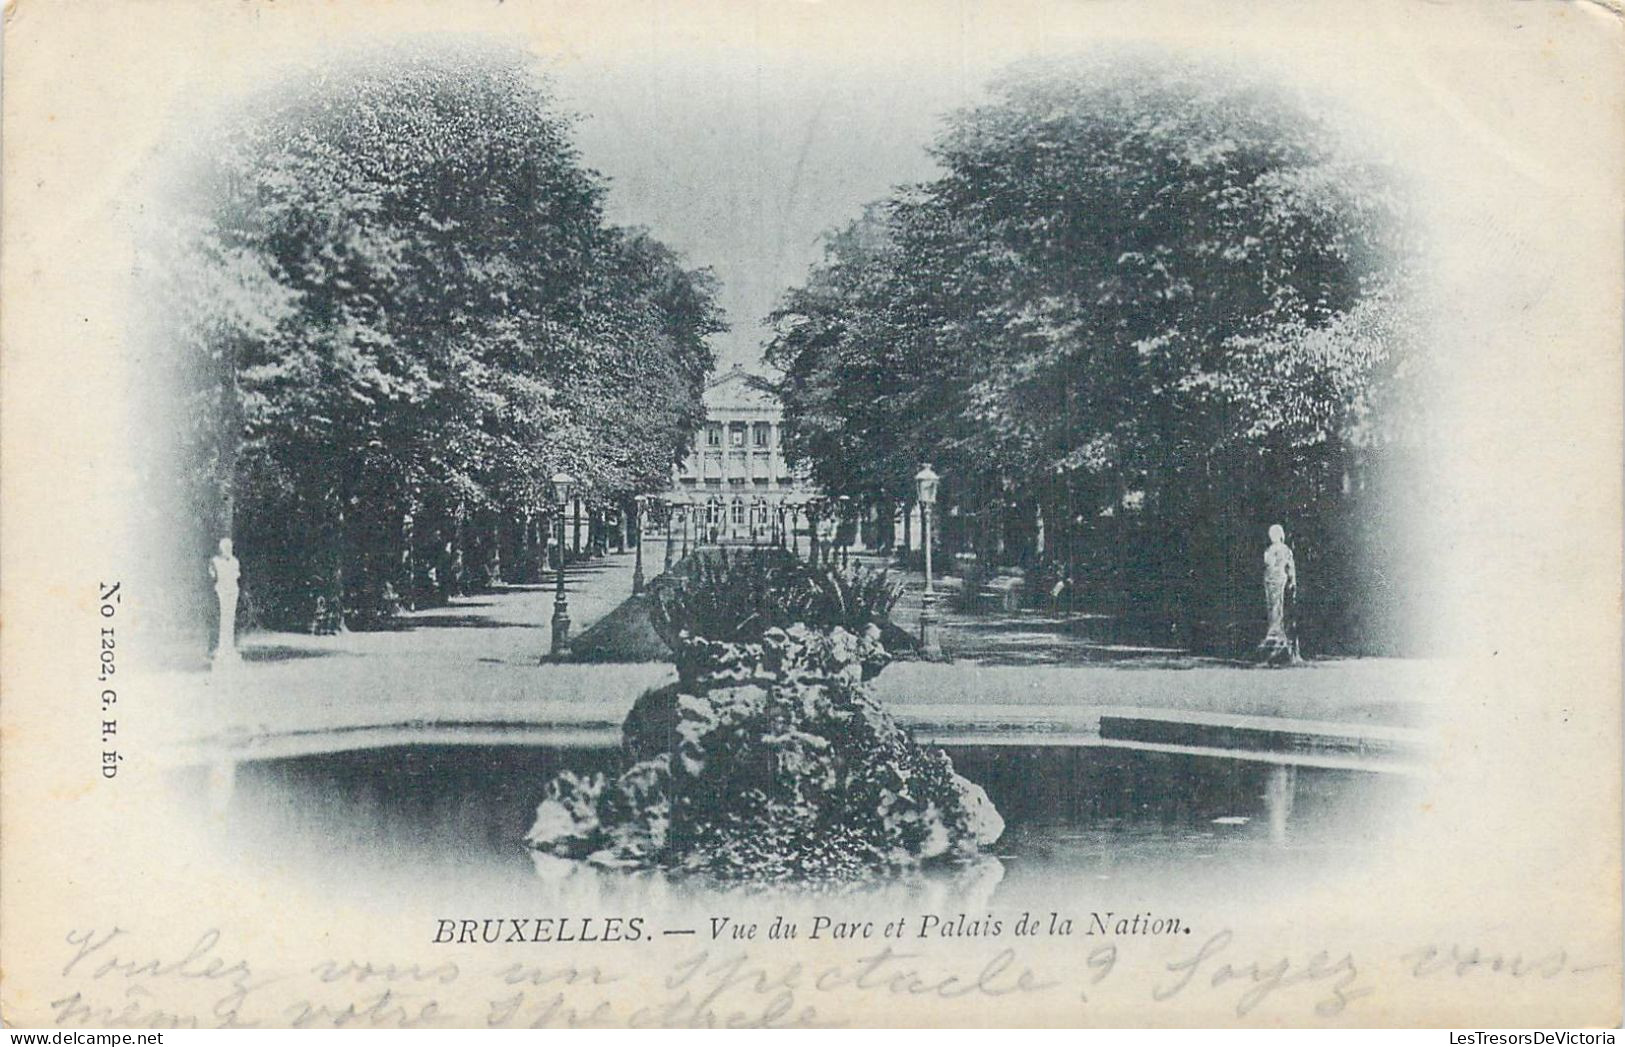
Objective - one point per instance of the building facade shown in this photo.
(735, 484)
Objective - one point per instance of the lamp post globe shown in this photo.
(925, 488)
(925, 484)
(563, 489)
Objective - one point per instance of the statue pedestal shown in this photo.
(930, 647)
(225, 643)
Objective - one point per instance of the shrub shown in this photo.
(737, 597)
(973, 575)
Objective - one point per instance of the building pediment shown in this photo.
(737, 391)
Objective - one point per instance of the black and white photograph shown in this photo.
(1034, 429)
(913, 514)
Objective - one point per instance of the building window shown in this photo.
(713, 435)
(762, 430)
(737, 436)
(739, 511)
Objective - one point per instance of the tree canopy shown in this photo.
(1131, 279)
(402, 296)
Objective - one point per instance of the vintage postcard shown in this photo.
(544, 514)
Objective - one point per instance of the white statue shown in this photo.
(225, 571)
(1280, 584)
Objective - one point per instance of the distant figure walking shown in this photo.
(1279, 646)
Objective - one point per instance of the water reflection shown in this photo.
(585, 888)
(447, 823)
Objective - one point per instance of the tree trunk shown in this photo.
(542, 535)
(329, 615)
(522, 550)
(493, 554)
(445, 561)
(459, 559)
(1040, 538)
(885, 532)
(229, 439)
(631, 526)
(406, 573)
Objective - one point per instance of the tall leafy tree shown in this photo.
(441, 319)
(1137, 289)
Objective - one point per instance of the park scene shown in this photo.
(1056, 514)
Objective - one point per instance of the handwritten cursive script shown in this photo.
(109, 978)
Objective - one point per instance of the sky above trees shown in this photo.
(746, 166)
(742, 140)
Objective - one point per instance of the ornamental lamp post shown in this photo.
(563, 485)
(843, 529)
(826, 531)
(671, 532)
(925, 483)
(827, 508)
(637, 563)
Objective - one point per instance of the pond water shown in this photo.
(443, 823)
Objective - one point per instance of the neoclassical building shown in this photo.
(735, 481)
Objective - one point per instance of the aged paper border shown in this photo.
(1510, 869)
